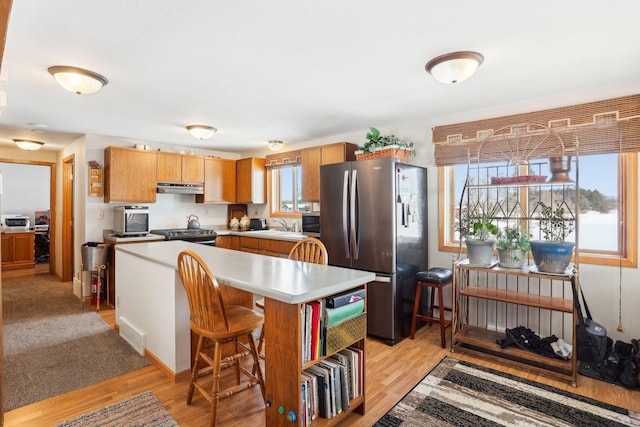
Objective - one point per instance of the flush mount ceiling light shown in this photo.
(77, 80)
(454, 67)
(27, 144)
(201, 131)
(275, 145)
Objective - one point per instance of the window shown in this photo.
(607, 208)
(286, 192)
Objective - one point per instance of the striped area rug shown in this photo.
(457, 393)
(140, 410)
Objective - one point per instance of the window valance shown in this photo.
(287, 158)
(609, 126)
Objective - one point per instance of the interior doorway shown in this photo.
(68, 165)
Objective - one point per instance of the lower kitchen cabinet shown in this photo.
(18, 250)
(271, 247)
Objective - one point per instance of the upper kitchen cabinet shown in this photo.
(250, 181)
(313, 158)
(130, 175)
(219, 181)
(180, 168)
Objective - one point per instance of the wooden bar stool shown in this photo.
(435, 278)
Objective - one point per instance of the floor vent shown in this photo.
(132, 335)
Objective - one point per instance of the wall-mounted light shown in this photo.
(275, 145)
(28, 144)
(454, 67)
(78, 80)
(201, 131)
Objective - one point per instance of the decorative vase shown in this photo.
(480, 252)
(560, 168)
(551, 257)
(511, 258)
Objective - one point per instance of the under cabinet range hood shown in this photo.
(173, 188)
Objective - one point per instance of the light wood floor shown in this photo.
(391, 373)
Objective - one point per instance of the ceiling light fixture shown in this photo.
(454, 67)
(77, 80)
(275, 145)
(28, 144)
(201, 131)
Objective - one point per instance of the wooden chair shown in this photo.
(212, 320)
(308, 249)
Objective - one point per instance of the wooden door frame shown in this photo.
(68, 170)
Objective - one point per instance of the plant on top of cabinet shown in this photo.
(385, 146)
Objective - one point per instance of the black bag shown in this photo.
(591, 337)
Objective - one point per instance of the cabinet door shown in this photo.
(311, 159)
(219, 181)
(23, 248)
(277, 248)
(228, 242)
(130, 175)
(169, 167)
(192, 169)
(7, 249)
(250, 181)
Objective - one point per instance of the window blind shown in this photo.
(609, 126)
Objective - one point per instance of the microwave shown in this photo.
(130, 220)
(311, 224)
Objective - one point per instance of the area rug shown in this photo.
(143, 409)
(52, 345)
(458, 393)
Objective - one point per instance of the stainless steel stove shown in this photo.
(202, 235)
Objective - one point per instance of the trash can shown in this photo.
(94, 256)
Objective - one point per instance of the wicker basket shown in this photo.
(346, 332)
(400, 153)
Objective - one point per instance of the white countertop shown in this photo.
(282, 279)
(112, 238)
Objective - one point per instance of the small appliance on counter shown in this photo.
(130, 221)
(16, 222)
(258, 224)
(201, 235)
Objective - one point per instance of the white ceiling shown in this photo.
(299, 70)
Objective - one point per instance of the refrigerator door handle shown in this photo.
(345, 199)
(355, 247)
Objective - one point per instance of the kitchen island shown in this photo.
(151, 300)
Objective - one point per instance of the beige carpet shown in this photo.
(52, 345)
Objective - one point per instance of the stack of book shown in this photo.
(332, 383)
(317, 316)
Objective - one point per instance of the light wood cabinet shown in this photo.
(17, 250)
(130, 175)
(219, 181)
(250, 180)
(228, 242)
(313, 158)
(270, 247)
(180, 168)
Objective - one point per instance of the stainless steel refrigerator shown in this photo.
(373, 217)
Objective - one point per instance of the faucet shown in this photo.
(282, 222)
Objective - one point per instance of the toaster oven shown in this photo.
(130, 220)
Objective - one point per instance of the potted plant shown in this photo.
(378, 146)
(476, 226)
(553, 254)
(513, 245)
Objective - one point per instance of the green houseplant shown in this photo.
(553, 254)
(477, 227)
(513, 245)
(376, 142)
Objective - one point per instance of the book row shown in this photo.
(317, 316)
(329, 386)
